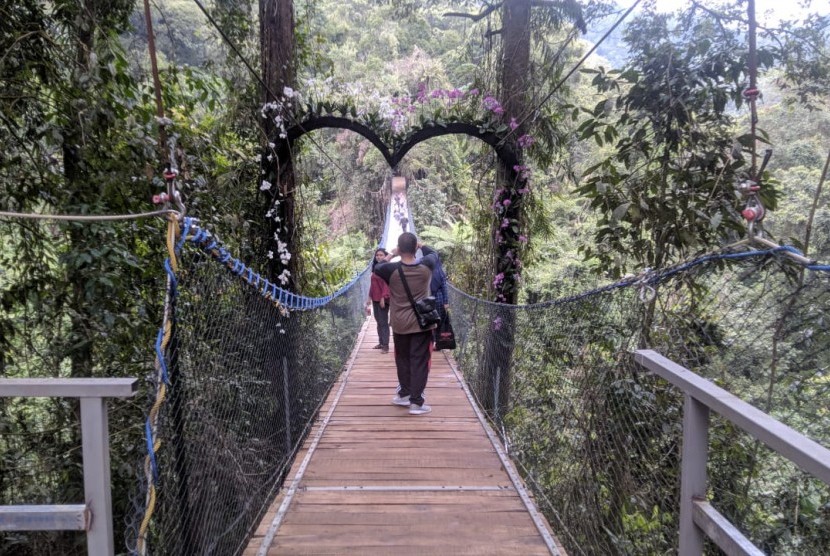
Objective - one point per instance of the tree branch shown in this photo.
(476, 17)
(770, 30)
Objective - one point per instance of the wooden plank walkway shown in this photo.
(372, 479)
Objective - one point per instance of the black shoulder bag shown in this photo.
(425, 309)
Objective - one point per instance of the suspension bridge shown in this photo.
(270, 430)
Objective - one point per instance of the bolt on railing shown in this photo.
(95, 515)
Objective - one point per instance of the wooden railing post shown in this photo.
(693, 473)
(96, 454)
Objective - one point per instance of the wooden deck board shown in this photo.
(381, 481)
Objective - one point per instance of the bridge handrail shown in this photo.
(95, 515)
(207, 242)
(697, 517)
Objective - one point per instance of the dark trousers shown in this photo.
(412, 353)
(382, 318)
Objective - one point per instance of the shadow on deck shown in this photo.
(372, 479)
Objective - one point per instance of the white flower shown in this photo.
(258, 158)
(283, 135)
(266, 185)
(284, 277)
(270, 254)
(281, 246)
(270, 213)
(288, 92)
(271, 145)
(270, 157)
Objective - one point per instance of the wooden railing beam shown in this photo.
(62, 517)
(68, 387)
(721, 531)
(810, 456)
(697, 517)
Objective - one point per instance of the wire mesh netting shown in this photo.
(598, 439)
(245, 382)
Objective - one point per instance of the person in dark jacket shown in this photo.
(379, 302)
(412, 343)
(438, 290)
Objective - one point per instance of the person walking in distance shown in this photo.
(379, 302)
(412, 343)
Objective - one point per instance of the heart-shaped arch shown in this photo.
(506, 202)
(393, 155)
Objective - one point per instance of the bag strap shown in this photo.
(406, 287)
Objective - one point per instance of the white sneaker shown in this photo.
(419, 409)
(398, 391)
(397, 400)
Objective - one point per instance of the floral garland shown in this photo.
(280, 113)
(395, 119)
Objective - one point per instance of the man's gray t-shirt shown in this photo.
(418, 276)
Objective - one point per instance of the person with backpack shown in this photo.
(409, 280)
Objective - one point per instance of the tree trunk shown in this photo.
(498, 351)
(278, 68)
(515, 60)
(515, 68)
(276, 32)
(79, 343)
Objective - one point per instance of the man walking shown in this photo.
(412, 343)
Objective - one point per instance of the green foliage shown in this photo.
(79, 135)
(84, 299)
(802, 48)
(665, 191)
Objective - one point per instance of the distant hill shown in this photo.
(613, 48)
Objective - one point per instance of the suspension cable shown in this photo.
(750, 187)
(562, 81)
(752, 93)
(162, 385)
(87, 217)
(171, 170)
(154, 69)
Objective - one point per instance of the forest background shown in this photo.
(618, 156)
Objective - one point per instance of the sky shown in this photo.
(769, 11)
(768, 14)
